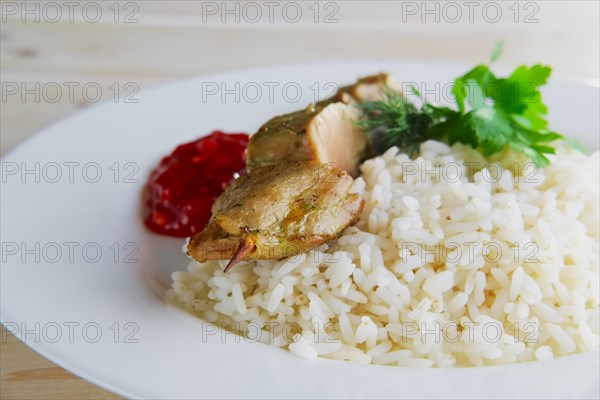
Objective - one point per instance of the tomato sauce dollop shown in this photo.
(183, 188)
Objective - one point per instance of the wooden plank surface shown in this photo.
(178, 39)
(24, 374)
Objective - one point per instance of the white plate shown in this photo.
(166, 354)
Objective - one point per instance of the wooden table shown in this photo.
(154, 41)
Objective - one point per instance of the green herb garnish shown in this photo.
(394, 121)
(490, 114)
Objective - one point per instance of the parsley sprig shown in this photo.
(490, 114)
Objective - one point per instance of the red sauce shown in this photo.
(186, 183)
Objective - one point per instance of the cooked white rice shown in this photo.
(446, 266)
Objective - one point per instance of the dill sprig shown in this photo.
(394, 121)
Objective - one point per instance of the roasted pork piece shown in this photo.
(277, 212)
(369, 88)
(296, 193)
(323, 132)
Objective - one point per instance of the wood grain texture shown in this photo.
(24, 374)
(172, 40)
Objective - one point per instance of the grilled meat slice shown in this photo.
(369, 88)
(323, 132)
(277, 212)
